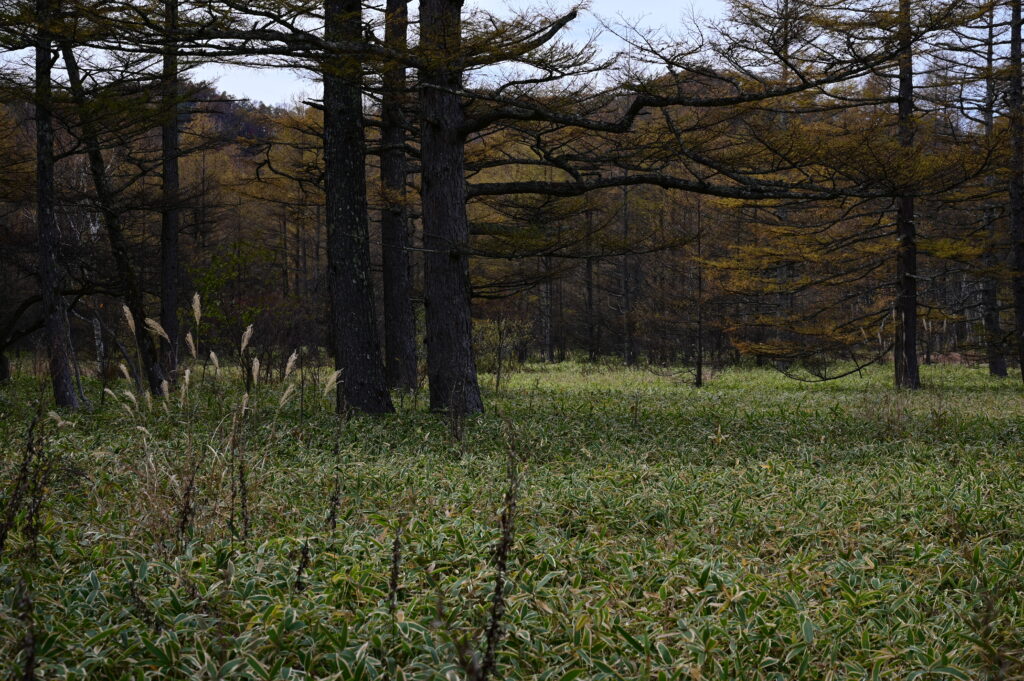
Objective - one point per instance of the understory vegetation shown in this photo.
(758, 528)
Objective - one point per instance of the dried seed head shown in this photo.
(255, 371)
(58, 420)
(190, 342)
(197, 308)
(184, 386)
(216, 363)
(153, 326)
(246, 337)
(129, 318)
(287, 395)
(332, 382)
(290, 366)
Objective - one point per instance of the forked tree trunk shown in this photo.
(399, 319)
(1016, 101)
(129, 278)
(907, 374)
(451, 366)
(361, 385)
(51, 278)
(170, 215)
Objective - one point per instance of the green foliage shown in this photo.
(754, 529)
(495, 342)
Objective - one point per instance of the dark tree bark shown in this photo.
(698, 379)
(588, 285)
(451, 367)
(1015, 97)
(361, 385)
(106, 200)
(990, 284)
(399, 318)
(170, 215)
(55, 312)
(5, 368)
(628, 322)
(907, 374)
(547, 309)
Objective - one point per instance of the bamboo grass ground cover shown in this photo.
(758, 528)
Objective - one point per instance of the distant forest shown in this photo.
(817, 186)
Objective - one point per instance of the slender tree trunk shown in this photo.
(547, 311)
(399, 318)
(451, 366)
(354, 341)
(112, 223)
(698, 380)
(1016, 101)
(285, 279)
(170, 216)
(5, 368)
(51, 277)
(990, 282)
(907, 374)
(588, 284)
(628, 327)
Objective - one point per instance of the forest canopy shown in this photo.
(819, 186)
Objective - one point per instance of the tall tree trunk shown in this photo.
(170, 216)
(5, 368)
(628, 323)
(588, 284)
(451, 366)
(51, 277)
(547, 310)
(399, 318)
(1016, 101)
(354, 341)
(698, 380)
(907, 374)
(990, 282)
(115, 232)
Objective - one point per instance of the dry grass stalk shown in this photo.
(153, 326)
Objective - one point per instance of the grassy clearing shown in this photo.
(758, 528)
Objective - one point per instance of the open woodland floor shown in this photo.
(757, 528)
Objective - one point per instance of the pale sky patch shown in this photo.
(282, 86)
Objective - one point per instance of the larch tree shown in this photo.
(89, 133)
(1015, 104)
(399, 317)
(907, 374)
(51, 275)
(170, 208)
(353, 323)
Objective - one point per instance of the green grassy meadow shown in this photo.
(758, 528)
